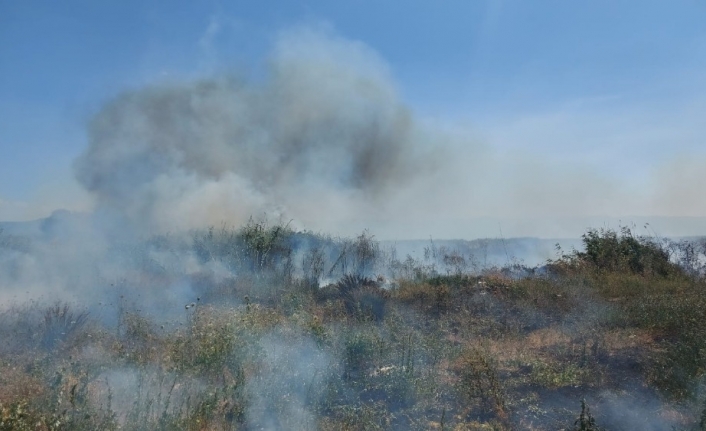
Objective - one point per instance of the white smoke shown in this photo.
(323, 132)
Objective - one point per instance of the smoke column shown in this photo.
(323, 132)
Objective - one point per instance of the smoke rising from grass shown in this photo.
(293, 381)
(323, 131)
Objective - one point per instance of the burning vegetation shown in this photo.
(280, 329)
(136, 317)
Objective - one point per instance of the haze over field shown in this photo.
(494, 125)
(348, 215)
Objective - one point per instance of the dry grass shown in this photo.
(455, 352)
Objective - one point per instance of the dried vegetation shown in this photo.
(315, 333)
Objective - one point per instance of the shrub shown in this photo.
(585, 421)
(60, 323)
(608, 250)
(358, 257)
(434, 297)
(363, 298)
(479, 381)
(257, 247)
(360, 348)
(209, 345)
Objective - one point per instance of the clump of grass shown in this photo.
(479, 382)
(433, 297)
(61, 322)
(585, 421)
(359, 416)
(360, 349)
(16, 417)
(66, 411)
(362, 297)
(554, 375)
(209, 345)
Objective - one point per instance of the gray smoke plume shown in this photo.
(323, 128)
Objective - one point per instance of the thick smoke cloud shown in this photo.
(323, 128)
(322, 137)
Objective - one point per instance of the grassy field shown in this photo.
(307, 332)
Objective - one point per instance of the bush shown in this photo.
(608, 250)
(256, 247)
(60, 323)
(479, 381)
(585, 421)
(363, 298)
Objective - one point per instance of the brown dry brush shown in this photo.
(435, 351)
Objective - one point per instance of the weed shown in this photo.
(585, 421)
(60, 323)
(479, 382)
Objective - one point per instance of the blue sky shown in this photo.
(615, 87)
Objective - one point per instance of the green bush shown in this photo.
(608, 250)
